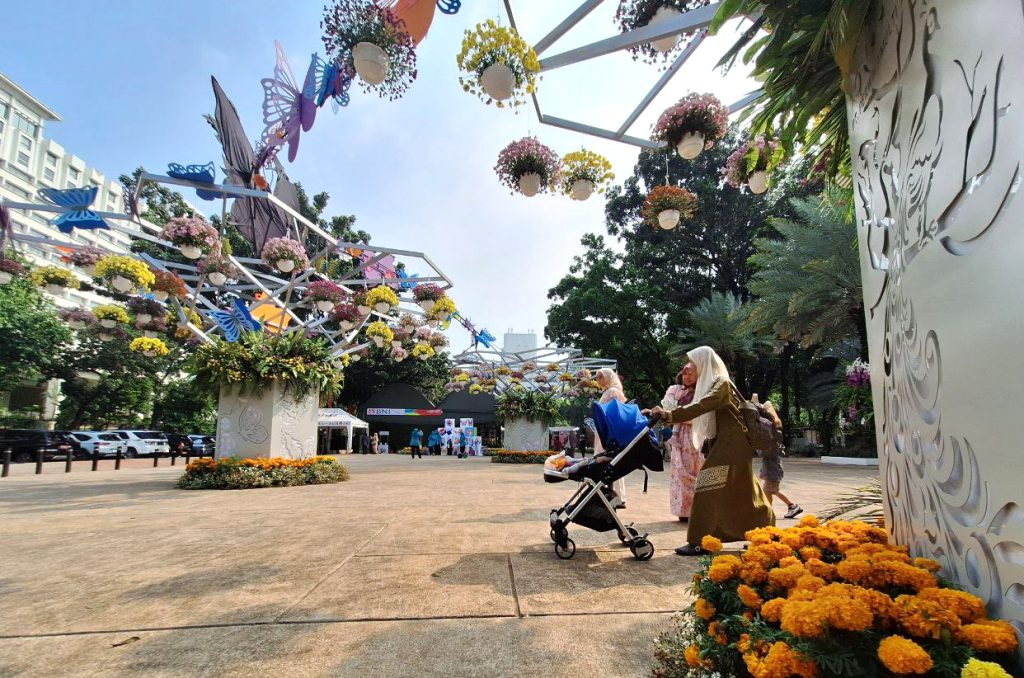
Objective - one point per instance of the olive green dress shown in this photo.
(727, 501)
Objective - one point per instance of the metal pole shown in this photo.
(117, 460)
(95, 458)
(67, 463)
(188, 457)
(156, 461)
(7, 464)
(174, 457)
(39, 462)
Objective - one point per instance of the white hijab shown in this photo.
(709, 368)
(612, 384)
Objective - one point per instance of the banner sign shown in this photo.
(389, 412)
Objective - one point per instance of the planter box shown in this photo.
(852, 461)
(522, 435)
(272, 425)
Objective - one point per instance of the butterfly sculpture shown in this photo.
(331, 81)
(232, 322)
(449, 6)
(77, 201)
(287, 110)
(402, 274)
(204, 174)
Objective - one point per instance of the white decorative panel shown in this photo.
(273, 425)
(936, 110)
(525, 436)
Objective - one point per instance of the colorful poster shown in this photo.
(470, 431)
(391, 412)
(478, 446)
(465, 423)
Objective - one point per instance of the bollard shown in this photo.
(174, 458)
(39, 462)
(7, 463)
(188, 457)
(67, 463)
(156, 461)
(95, 458)
(117, 459)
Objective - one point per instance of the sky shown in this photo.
(132, 83)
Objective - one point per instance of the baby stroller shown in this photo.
(629, 441)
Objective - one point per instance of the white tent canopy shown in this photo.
(337, 418)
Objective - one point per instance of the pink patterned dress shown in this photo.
(686, 461)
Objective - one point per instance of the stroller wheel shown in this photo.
(554, 535)
(633, 534)
(642, 548)
(568, 551)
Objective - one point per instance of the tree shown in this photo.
(377, 370)
(183, 408)
(31, 335)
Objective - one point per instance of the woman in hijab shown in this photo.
(727, 500)
(686, 460)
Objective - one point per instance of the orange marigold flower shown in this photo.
(903, 656)
(928, 564)
(809, 582)
(809, 521)
(988, 636)
(964, 605)
(712, 544)
(759, 556)
(820, 569)
(749, 597)
(855, 569)
(810, 553)
(924, 618)
(713, 628)
(753, 573)
(786, 577)
(772, 609)
(724, 568)
(789, 560)
(880, 604)
(705, 610)
(693, 659)
(850, 615)
(783, 661)
(804, 619)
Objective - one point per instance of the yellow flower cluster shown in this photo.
(380, 329)
(146, 345)
(586, 165)
(111, 312)
(118, 265)
(443, 308)
(382, 294)
(491, 44)
(979, 669)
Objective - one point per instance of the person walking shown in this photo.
(684, 460)
(375, 443)
(771, 477)
(727, 499)
(463, 441)
(364, 440)
(434, 442)
(414, 443)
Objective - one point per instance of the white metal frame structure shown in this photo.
(489, 360)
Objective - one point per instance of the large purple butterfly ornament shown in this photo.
(287, 111)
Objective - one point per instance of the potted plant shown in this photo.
(110, 316)
(583, 172)
(426, 295)
(692, 124)
(325, 294)
(77, 318)
(382, 298)
(85, 258)
(750, 164)
(54, 279)
(218, 269)
(401, 336)
(422, 351)
(634, 14)
(369, 38)
(152, 328)
(408, 322)
(666, 205)
(112, 333)
(359, 299)
(192, 235)
(423, 335)
(146, 309)
(503, 371)
(398, 354)
(124, 273)
(285, 255)
(442, 309)
(346, 315)
(527, 166)
(168, 285)
(148, 347)
(438, 340)
(9, 268)
(499, 63)
(379, 332)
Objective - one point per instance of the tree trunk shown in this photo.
(787, 355)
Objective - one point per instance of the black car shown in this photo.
(77, 451)
(25, 444)
(179, 444)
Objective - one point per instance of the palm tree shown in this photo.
(808, 283)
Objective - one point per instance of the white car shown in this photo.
(139, 443)
(105, 443)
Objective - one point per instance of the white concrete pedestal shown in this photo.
(272, 425)
(522, 435)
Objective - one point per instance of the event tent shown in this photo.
(336, 418)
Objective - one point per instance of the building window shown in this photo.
(48, 175)
(22, 122)
(25, 143)
(17, 190)
(73, 174)
(4, 108)
(24, 176)
(23, 158)
(51, 160)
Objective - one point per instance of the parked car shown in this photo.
(25, 444)
(180, 443)
(77, 451)
(203, 445)
(140, 443)
(104, 442)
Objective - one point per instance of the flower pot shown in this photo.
(758, 182)
(346, 325)
(424, 356)
(399, 359)
(668, 219)
(356, 357)
(106, 336)
(160, 295)
(498, 81)
(427, 304)
(190, 251)
(150, 334)
(144, 318)
(690, 146)
(5, 277)
(382, 307)
(364, 310)
(667, 44)
(371, 62)
(217, 278)
(285, 265)
(432, 323)
(529, 184)
(378, 340)
(121, 283)
(325, 305)
(76, 324)
(89, 270)
(396, 343)
(149, 354)
(582, 188)
(55, 289)
(108, 323)
(409, 328)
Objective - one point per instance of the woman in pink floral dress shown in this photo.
(686, 461)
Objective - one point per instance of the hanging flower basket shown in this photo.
(359, 299)
(168, 285)
(751, 163)
(692, 124)
(9, 269)
(54, 279)
(382, 298)
(346, 315)
(583, 172)
(426, 295)
(111, 316)
(441, 311)
(192, 235)
(423, 351)
(85, 258)
(499, 65)
(112, 334)
(379, 332)
(148, 347)
(408, 322)
(369, 38)
(218, 269)
(285, 254)
(124, 273)
(325, 295)
(77, 318)
(398, 354)
(146, 309)
(666, 205)
(634, 14)
(528, 167)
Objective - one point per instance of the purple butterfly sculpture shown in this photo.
(287, 110)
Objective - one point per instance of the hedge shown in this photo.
(240, 474)
(510, 457)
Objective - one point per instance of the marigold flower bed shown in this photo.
(824, 601)
(511, 457)
(240, 474)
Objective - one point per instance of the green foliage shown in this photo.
(182, 406)
(162, 203)
(529, 405)
(511, 457)
(233, 474)
(376, 370)
(864, 503)
(718, 322)
(31, 336)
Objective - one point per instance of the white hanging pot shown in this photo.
(76, 324)
(149, 334)
(371, 62)
(160, 295)
(191, 251)
(285, 265)
(409, 328)
(5, 277)
(356, 357)
(758, 182)
(364, 310)
(498, 81)
(424, 356)
(89, 270)
(690, 146)
(108, 323)
(325, 305)
(346, 325)
(427, 304)
(582, 188)
(396, 343)
(121, 283)
(529, 184)
(149, 354)
(667, 44)
(432, 323)
(668, 219)
(217, 278)
(399, 359)
(378, 340)
(54, 289)
(144, 318)
(106, 336)
(382, 307)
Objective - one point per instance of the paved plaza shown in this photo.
(413, 568)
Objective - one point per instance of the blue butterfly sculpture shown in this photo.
(449, 6)
(78, 201)
(330, 80)
(205, 174)
(234, 321)
(407, 285)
